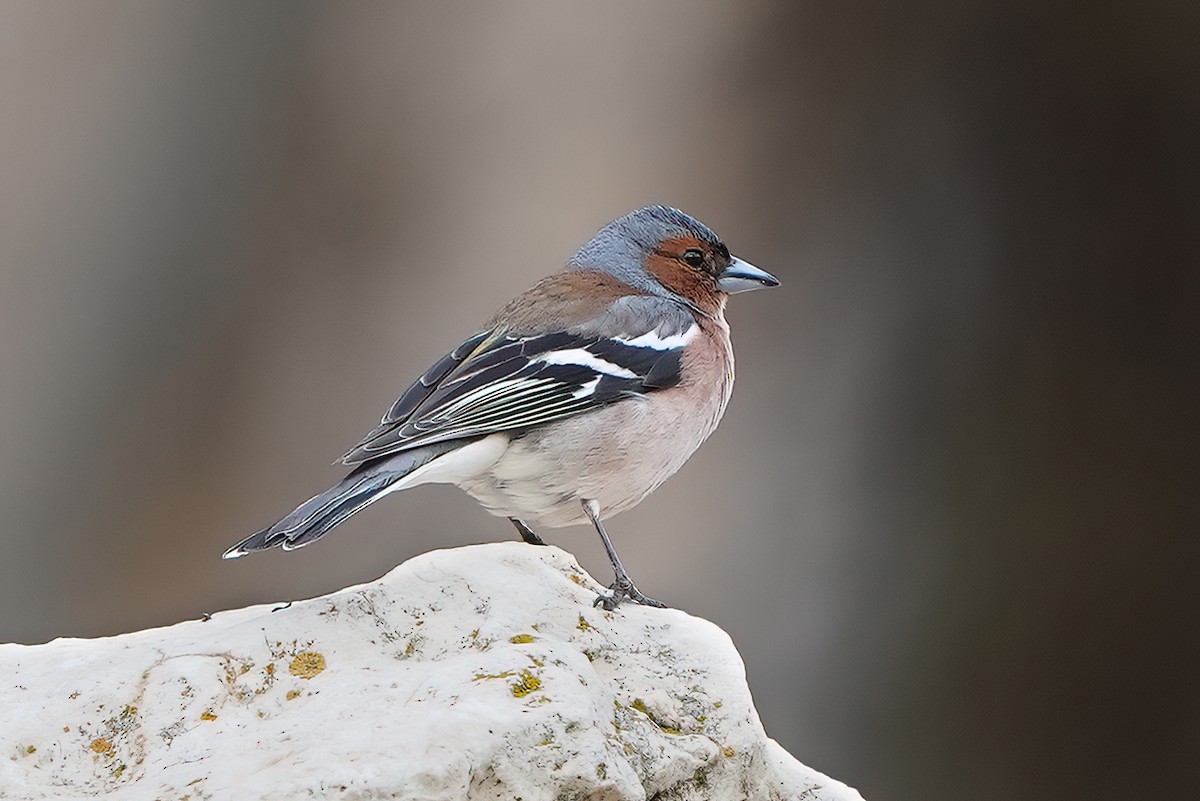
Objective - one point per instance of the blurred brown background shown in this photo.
(951, 516)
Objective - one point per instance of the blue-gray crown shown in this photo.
(621, 247)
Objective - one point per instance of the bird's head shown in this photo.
(662, 251)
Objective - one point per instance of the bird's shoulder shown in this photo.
(590, 302)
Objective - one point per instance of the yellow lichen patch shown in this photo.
(727, 751)
(101, 746)
(293, 694)
(118, 770)
(31, 749)
(208, 714)
(528, 683)
(520, 639)
(666, 728)
(504, 675)
(307, 664)
(270, 669)
(583, 625)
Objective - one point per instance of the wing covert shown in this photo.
(501, 382)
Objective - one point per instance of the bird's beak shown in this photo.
(742, 276)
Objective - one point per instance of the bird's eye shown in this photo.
(693, 257)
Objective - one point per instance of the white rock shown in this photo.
(474, 673)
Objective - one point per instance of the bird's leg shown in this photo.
(527, 534)
(623, 587)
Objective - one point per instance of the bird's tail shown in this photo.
(320, 513)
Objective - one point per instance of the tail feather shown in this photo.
(315, 517)
(351, 501)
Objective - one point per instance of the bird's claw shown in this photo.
(623, 590)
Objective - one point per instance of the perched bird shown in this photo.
(576, 400)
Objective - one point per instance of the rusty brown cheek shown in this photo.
(688, 282)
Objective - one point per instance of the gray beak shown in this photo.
(742, 276)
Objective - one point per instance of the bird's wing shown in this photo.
(502, 381)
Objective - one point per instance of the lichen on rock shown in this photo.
(307, 664)
(515, 686)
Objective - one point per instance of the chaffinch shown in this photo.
(576, 399)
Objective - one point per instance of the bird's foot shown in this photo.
(623, 590)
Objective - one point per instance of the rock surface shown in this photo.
(474, 673)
